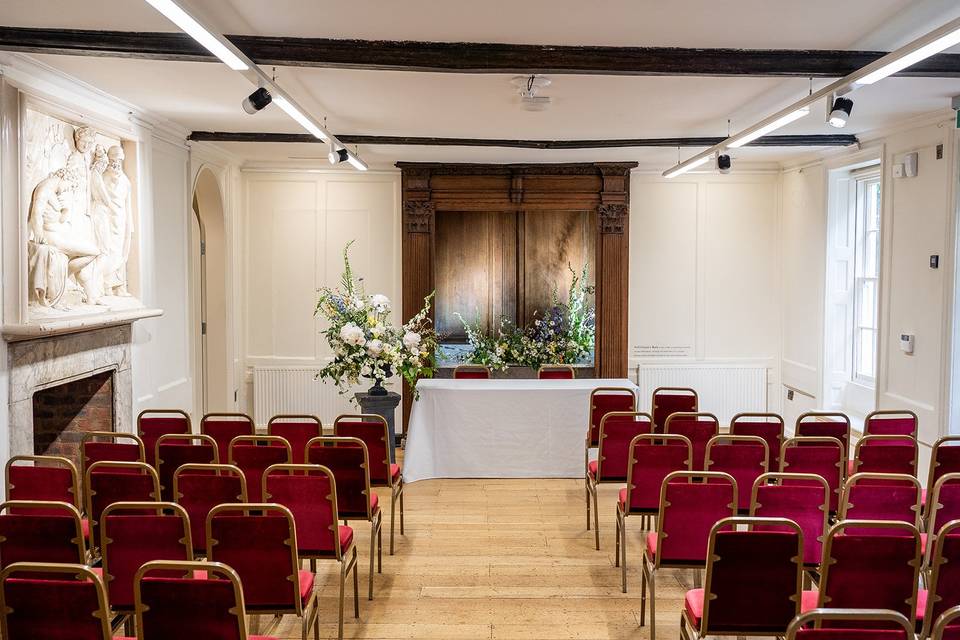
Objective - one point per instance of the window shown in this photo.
(866, 277)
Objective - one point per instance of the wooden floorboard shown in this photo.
(500, 559)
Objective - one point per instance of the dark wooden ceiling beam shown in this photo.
(468, 57)
(830, 140)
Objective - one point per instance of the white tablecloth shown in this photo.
(500, 428)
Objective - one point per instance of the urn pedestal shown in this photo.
(382, 405)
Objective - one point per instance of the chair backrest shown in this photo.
(944, 459)
(349, 461)
(259, 542)
(829, 424)
(471, 372)
(46, 478)
(743, 457)
(944, 584)
(309, 491)
(372, 430)
(881, 496)
(167, 594)
(668, 400)
(818, 455)
(698, 428)
(652, 459)
(617, 431)
(691, 502)
(38, 531)
(858, 624)
(603, 400)
(805, 501)
(861, 569)
(134, 533)
(198, 488)
(100, 446)
(153, 423)
(109, 482)
(947, 626)
(224, 427)
(885, 454)
(47, 601)
(174, 450)
(754, 577)
(768, 426)
(556, 372)
(891, 422)
(296, 430)
(253, 454)
(943, 505)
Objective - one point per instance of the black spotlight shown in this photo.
(723, 163)
(257, 100)
(336, 156)
(840, 112)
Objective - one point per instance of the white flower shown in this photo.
(365, 371)
(357, 303)
(376, 330)
(352, 334)
(374, 347)
(380, 302)
(411, 340)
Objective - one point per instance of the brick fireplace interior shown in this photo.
(63, 413)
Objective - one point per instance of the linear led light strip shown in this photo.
(222, 48)
(932, 43)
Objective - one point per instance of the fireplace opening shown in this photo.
(63, 413)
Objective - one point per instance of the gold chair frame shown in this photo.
(89, 493)
(216, 469)
(471, 367)
(108, 435)
(937, 561)
(867, 440)
(844, 505)
(798, 441)
(60, 461)
(302, 417)
(77, 539)
(879, 413)
(767, 478)
(726, 438)
(818, 616)
(825, 416)
(941, 442)
(950, 615)
(760, 417)
(676, 391)
(557, 367)
(339, 553)
(588, 443)
(930, 516)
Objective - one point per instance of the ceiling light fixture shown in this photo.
(840, 112)
(300, 117)
(336, 156)
(214, 43)
(257, 101)
(356, 162)
(684, 167)
(920, 49)
(767, 126)
(724, 163)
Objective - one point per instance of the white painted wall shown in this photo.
(704, 271)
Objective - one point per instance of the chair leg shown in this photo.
(373, 548)
(380, 546)
(653, 607)
(393, 510)
(643, 590)
(343, 587)
(586, 486)
(400, 491)
(623, 554)
(356, 585)
(596, 518)
(616, 551)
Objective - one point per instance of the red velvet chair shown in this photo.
(820, 456)
(109, 482)
(768, 426)
(754, 580)
(691, 502)
(895, 422)
(253, 454)
(869, 569)
(153, 423)
(556, 372)
(471, 372)
(617, 431)
(198, 488)
(101, 446)
(884, 454)
(944, 459)
(38, 531)
(224, 427)
(944, 583)
(310, 493)
(881, 496)
(262, 548)
(175, 450)
(297, 430)
(943, 507)
(698, 428)
(384, 472)
(858, 624)
(652, 459)
(801, 497)
(45, 478)
(167, 594)
(947, 626)
(828, 424)
(743, 457)
(134, 533)
(669, 400)
(349, 461)
(44, 601)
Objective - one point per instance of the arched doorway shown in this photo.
(209, 259)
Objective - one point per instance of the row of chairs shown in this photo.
(545, 372)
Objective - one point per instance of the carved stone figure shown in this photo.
(113, 191)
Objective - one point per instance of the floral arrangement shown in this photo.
(563, 335)
(364, 341)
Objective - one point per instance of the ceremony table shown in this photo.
(500, 428)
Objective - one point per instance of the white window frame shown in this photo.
(866, 233)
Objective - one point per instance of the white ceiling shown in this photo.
(203, 96)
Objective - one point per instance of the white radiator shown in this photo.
(278, 390)
(723, 390)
